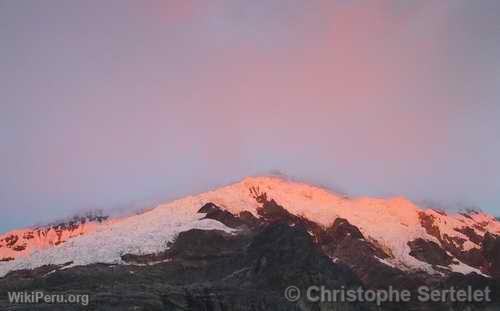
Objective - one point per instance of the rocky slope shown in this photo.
(397, 226)
(238, 247)
(23, 242)
(249, 270)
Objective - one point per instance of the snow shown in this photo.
(140, 234)
(391, 222)
(462, 268)
(34, 239)
(386, 262)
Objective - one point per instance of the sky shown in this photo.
(116, 104)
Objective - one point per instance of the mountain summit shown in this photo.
(408, 237)
(238, 247)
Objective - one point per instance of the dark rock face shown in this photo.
(35, 273)
(245, 218)
(272, 212)
(475, 282)
(249, 219)
(344, 241)
(28, 236)
(144, 259)
(473, 257)
(11, 240)
(342, 229)
(427, 222)
(215, 212)
(491, 251)
(280, 253)
(346, 244)
(471, 234)
(211, 270)
(19, 248)
(209, 207)
(19, 242)
(75, 222)
(429, 252)
(207, 270)
(198, 244)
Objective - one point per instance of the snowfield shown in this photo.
(391, 222)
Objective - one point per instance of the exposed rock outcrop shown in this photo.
(430, 252)
(491, 251)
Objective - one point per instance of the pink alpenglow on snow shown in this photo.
(392, 223)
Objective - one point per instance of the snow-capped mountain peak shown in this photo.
(395, 225)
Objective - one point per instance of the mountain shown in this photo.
(247, 241)
(23, 242)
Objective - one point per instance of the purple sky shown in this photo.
(108, 104)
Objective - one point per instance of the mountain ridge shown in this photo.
(150, 232)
